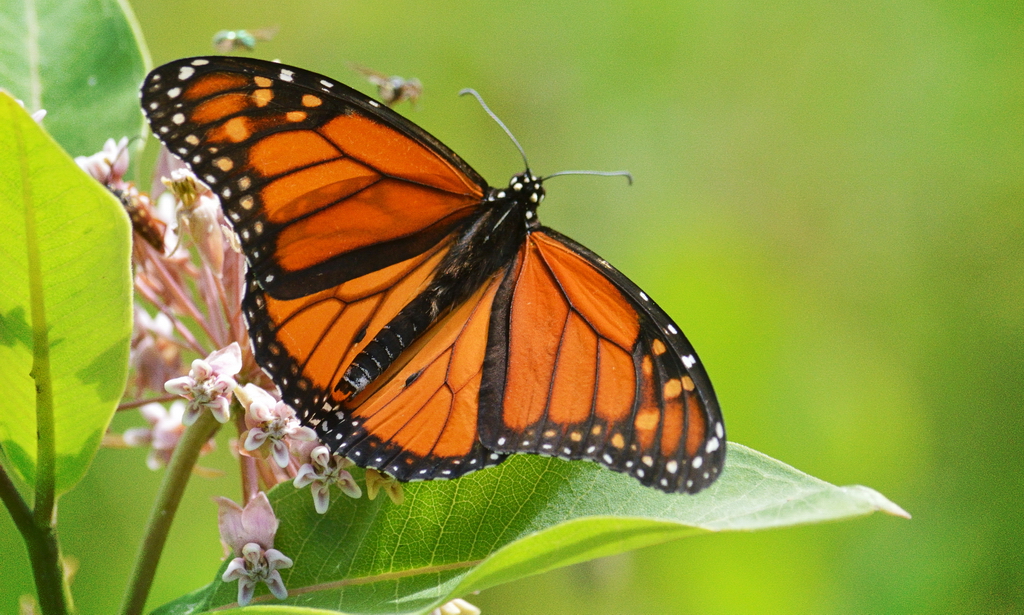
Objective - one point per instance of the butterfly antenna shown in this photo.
(626, 174)
(494, 117)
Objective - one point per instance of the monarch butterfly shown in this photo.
(423, 322)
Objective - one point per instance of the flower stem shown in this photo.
(43, 551)
(176, 476)
(129, 405)
(250, 479)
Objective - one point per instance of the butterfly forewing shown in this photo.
(322, 184)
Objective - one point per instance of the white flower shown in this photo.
(108, 165)
(209, 384)
(324, 470)
(249, 533)
(270, 422)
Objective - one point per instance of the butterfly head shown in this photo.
(527, 189)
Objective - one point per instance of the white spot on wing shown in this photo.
(185, 72)
(689, 360)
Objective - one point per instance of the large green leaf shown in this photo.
(81, 60)
(79, 237)
(526, 516)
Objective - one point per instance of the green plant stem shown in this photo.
(176, 477)
(43, 551)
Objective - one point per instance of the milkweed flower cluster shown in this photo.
(323, 470)
(109, 165)
(272, 424)
(248, 534)
(209, 384)
(189, 282)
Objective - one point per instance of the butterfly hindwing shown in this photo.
(583, 365)
(419, 421)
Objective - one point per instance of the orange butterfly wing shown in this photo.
(343, 208)
(307, 343)
(321, 184)
(583, 365)
(420, 419)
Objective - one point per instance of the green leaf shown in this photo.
(81, 60)
(528, 515)
(68, 237)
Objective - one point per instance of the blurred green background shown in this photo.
(828, 199)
